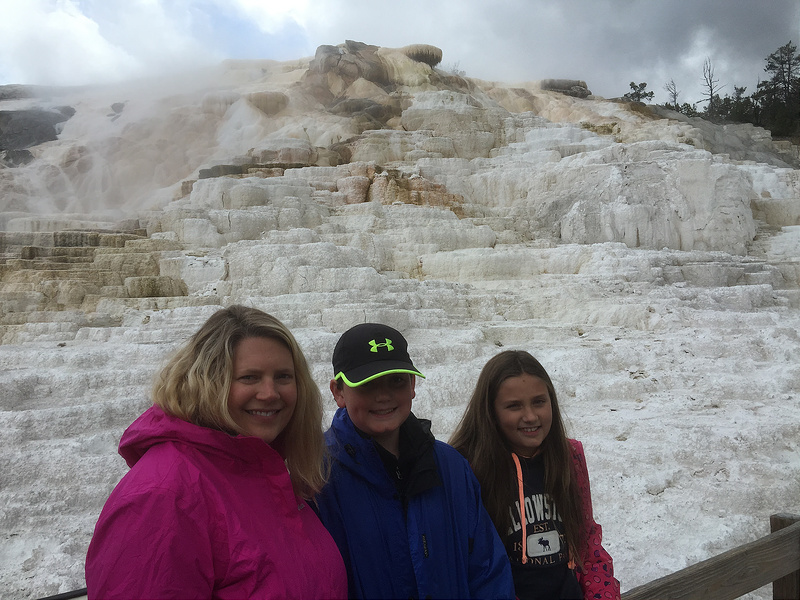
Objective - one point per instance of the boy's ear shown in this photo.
(338, 394)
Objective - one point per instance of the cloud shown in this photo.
(63, 42)
(607, 43)
(54, 43)
(271, 16)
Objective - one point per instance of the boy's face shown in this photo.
(378, 407)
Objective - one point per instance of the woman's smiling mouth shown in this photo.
(262, 413)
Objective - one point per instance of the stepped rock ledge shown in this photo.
(650, 261)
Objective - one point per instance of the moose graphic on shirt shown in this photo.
(545, 544)
(540, 544)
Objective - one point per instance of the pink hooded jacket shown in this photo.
(596, 575)
(202, 514)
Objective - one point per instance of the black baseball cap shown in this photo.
(368, 351)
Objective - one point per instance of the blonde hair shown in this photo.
(195, 383)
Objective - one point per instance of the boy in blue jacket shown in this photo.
(404, 509)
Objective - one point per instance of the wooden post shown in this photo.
(788, 587)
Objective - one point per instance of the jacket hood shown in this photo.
(155, 426)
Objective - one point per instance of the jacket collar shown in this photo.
(155, 426)
(357, 452)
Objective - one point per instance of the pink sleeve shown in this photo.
(596, 569)
(150, 544)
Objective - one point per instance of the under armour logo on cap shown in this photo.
(360, 357)
(387, 344)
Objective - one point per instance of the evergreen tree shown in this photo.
(737, 108)
(784, 65)
(778, 98)
(638, 93)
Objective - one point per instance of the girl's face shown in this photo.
(524, 413)
(263, 390)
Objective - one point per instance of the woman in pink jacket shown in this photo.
(534, 483)
(214, 505)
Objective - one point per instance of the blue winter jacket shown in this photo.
(442, 545)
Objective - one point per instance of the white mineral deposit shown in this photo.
(650, 261)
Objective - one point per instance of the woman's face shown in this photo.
(524, 413)
(263, 390)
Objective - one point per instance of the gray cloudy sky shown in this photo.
(607, 43)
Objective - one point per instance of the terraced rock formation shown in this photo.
(651, 262)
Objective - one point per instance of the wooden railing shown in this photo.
(772, 559)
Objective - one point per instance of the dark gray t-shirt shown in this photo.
(546, 575)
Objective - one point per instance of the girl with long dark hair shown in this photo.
(534, 482)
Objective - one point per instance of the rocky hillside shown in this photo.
(651, 262)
